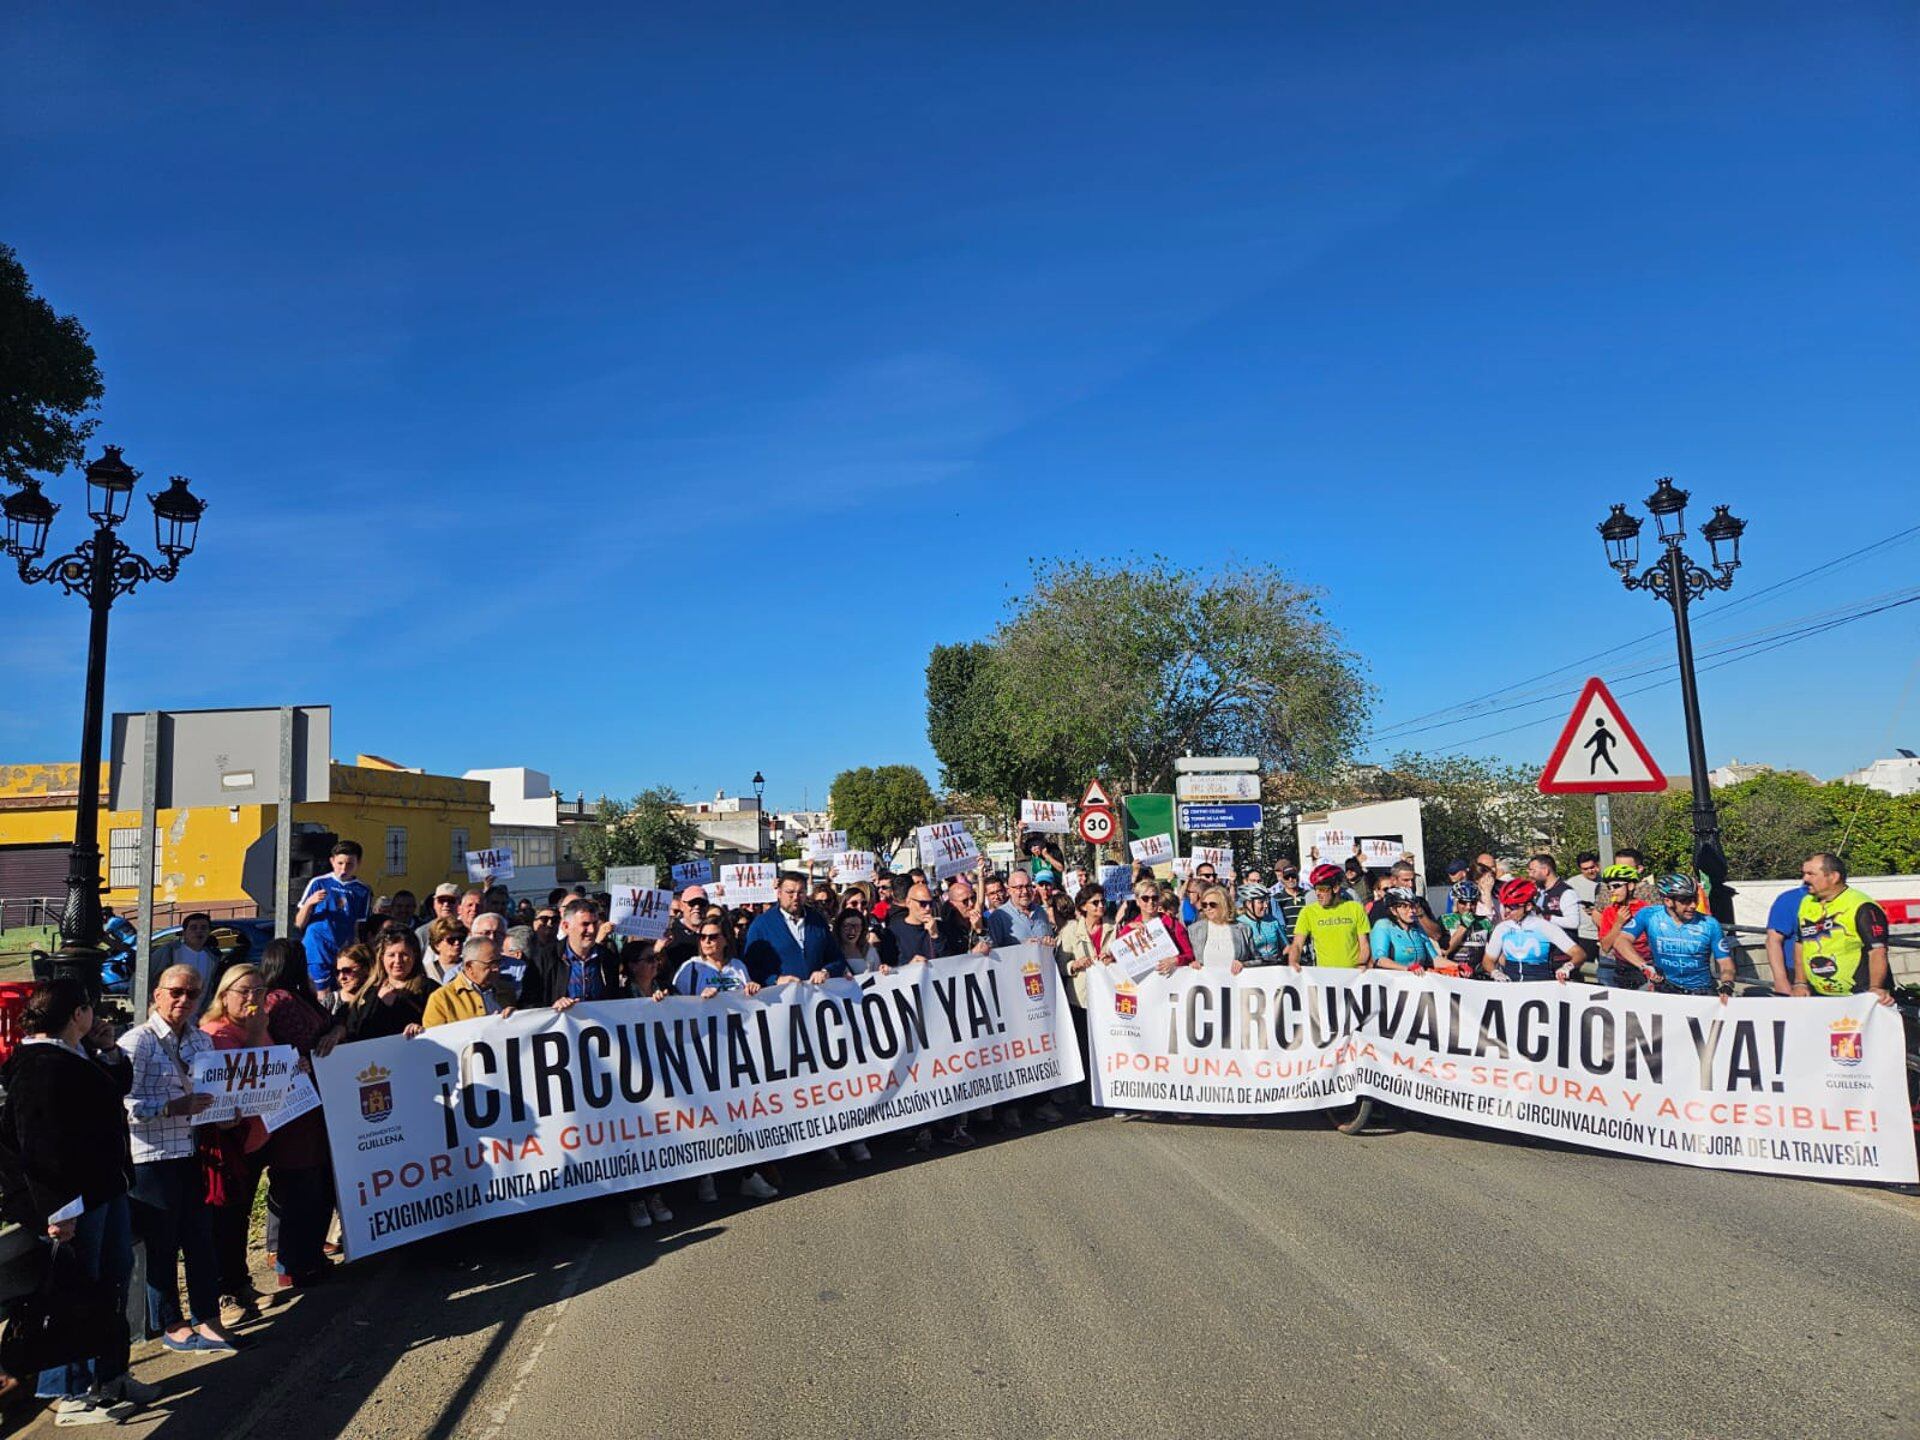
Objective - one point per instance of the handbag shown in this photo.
(70, 1317)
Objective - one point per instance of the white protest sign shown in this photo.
(641, 913)
(1046, 817)
(849, 867)
(823, 844)
(946, 848)
(1218, 856)
(1074, 881)
(244, 1082)
(299, 1099)
(1152, 849)
(750, 884)
(1182, 866)
(692, 872)
(1139, 952)
(641, 876)
(1382, 852)
(1331, 842)
(1116, 883)
(489, 864)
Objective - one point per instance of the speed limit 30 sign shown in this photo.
(1096, 824)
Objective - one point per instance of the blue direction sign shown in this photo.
(1219, 817)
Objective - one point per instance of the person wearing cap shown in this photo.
(1264, 929)
(446, 897)
(1457, 873)
(1046, 881)
(1523, 944)
(1335, 925)
(1288, 898)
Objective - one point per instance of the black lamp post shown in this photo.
(1675, 578)
(759, 815)
(100, 570)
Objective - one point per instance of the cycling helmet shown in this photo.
(1399, 895)
(1251, 893)
(1676, 887)
(1518, 893)
(1326, 875)
(1621, 874)
(1464, 895)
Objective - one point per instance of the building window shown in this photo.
(533, 849)
(396, 850)
(458, 861)
(123, 859)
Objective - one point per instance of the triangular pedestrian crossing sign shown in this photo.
(1599, 753)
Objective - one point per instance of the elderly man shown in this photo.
(791, 942)
(445, 898)
(472, 991)
(1024, 917)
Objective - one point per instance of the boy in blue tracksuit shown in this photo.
(330, 913)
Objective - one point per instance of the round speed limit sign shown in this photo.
(1096, 824)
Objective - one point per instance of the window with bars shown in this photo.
(123, 858)
(396, 850)
(532, 849)
(457, 860)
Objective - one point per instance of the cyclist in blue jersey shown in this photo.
(1523, 945)
(1267, 931)
(1688, 949)
(1397, 940)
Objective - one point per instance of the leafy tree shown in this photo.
(648, 830)
(1878, 833)
(49, 380)
(1117, 669)
(879, 806)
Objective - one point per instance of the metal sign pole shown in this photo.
(1603, 827)
(283, 832)
(148, 861)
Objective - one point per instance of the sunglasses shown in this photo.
(187, 991)
(343, 971)
(713, 935)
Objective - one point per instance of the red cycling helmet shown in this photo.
(1518, 893)
(1326, 875)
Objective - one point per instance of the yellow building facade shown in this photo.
(414, 829)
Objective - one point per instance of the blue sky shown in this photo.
(638, 395)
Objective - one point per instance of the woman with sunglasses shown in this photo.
(352, 968)
(392, 1001)
(441, 962)
(1150, 908)
(856, 944)
(1219, 944)
(708, 974)
(236, 1151)
(1397, 940)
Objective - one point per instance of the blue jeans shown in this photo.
(171, 1218)
(103, 1243)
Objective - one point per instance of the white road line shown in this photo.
(500, 1413)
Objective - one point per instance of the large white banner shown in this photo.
(488, 1117)
(1792, 1087)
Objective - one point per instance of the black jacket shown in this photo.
(65, 1119)
(546, 977)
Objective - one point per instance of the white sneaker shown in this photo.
(859, 1151)
(755, 1187)
(637, 1215)
(85, 1410)
(703, 1190)
(658, 1208)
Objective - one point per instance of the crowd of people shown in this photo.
(107, 1128)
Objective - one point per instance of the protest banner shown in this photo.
(692, 872)
(1381, 852)
(755, 884)
(641, 913)
(301, 1096)
(1813, 1088)
(1046, 817)
(823, 844)
(1116, 883)
(946, 849)
(1331, 845)
(849, 867)
(244, 1082)
(1137, 952)
(638, 877)
(1152, 849)
(1218, 856)
(1073, 882)
(485, 866)
(498, 1115)
(1182, 867)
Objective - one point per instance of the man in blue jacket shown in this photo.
(790, 942)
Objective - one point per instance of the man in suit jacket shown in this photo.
(790, 943)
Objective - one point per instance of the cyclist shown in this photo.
(1336, 928)
(1522, 945)
(1841, 947)
(1467, 932)
(1263, 927)
(1398, 942)
(1688, 947)
(1618, 884)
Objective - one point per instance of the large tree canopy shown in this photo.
(879, 806)
(48, 380)
(1118, 669)
(648, 830)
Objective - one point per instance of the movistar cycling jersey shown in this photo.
(1834, 938)
(1527, 945)
(1683, 954)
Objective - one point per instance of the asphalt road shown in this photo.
(1128, 1279)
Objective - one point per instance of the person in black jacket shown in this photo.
(66, 1119)
(579, 968)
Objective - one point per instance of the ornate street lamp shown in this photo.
(759, 816)
(1678, 580)
(100, 570)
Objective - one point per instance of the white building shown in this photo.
(1897, 775)
(526, 820)
(732, 828)
(1734, 771)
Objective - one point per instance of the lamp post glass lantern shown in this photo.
(1679, 580)
(100, 569)
(759, 816)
